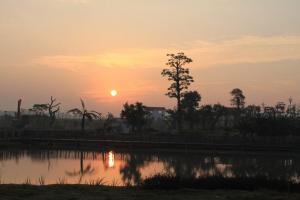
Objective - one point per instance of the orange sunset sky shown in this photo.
(74, 49)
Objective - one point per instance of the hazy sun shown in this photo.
(113, 93)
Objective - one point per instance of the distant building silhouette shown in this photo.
(7, 113)
(157, 113)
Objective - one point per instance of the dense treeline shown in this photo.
(251, 120)
(270, 121)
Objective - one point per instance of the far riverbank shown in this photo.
(92, 144)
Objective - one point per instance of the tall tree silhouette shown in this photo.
(84, 113)
(135, 115)
(180, 78)
(206, 113)
(190, 104)
(238, 98)
(218, 111)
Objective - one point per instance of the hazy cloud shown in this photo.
(75, 1)
(246, 49)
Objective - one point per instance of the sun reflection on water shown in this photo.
(111, 159)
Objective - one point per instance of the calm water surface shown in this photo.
(129, 167)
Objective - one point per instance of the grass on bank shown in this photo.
(170, 182)
(87, 192)
(158, 187)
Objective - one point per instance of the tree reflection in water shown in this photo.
(194, 165)
(82, 171)
(130, 172)
(131, 166)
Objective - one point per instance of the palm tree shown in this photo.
(84, 113)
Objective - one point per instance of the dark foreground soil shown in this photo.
(84, 192)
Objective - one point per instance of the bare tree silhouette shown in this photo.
(53, 108)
